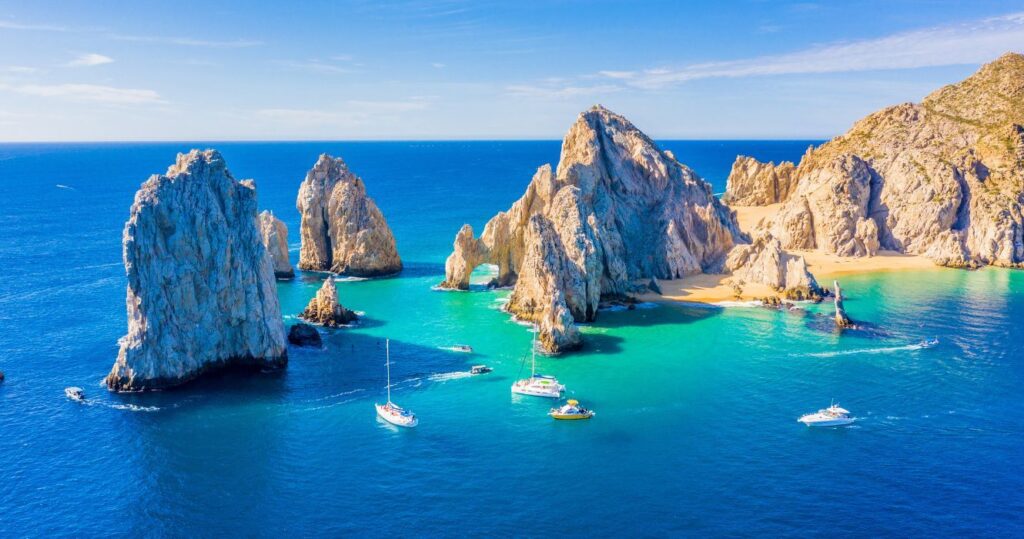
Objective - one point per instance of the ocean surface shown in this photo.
(695, 432)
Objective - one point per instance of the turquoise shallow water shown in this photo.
(695, 432)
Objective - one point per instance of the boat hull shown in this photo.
(571, 417)
(548, 393)
(399, 420)
(826, 422)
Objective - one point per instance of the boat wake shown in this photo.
(446, 376)
(881, 350)
(350, 279)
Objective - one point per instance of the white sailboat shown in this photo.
(538, 385)
(389, 411)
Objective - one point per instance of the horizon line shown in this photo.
(215, 140)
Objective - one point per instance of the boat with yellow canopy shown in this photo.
(570, 411)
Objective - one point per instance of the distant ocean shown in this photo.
(695, 433)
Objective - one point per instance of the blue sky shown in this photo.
(455, 69)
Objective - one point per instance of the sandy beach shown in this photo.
(714, 288)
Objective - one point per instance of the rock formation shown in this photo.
(842, 321)
(325, 310)
(764, 261)
(753, 183)
(304, 335)
(617, 212)
(275, 238)
(201, 292)
(942, 179)
(342, 230)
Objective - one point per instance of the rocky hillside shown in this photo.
(617, 212)
(943, 178)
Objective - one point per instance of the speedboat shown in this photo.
(833, 416)
(538, 385)
(75, 393)
(389, 411)
(464, 348)
(479, 369)
(570, 411)
(928, 343)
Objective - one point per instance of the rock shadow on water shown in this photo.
(660, 314)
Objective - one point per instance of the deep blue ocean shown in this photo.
(695, 432)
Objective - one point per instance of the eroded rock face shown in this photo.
(842, 320)
(943, 178)
(325, 310)
(764, 261)
(753, 183)
(617, 212)
(342, 230)
(201, 291)
(304, 335)
(274, 233)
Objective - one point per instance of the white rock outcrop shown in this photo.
(753, 183)
(764, 261)
(325, 309)
(942, 179)
(342, 230)
(274, 233)
(201, 291)
(617, 212)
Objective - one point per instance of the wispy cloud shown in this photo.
(89, 60)
(316, 66)
(967, 43)
(88, 92)
(617, 74)
(12, 25)
(188, 41)
(559, 91)
(20, 70)
(351, 113)
(437, 65)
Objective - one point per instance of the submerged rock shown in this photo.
(201, 292)
(943, 178)
(617, 213)
(842, 320)
(275, 238)
(304, 335)
(342, 230)
(325, 310)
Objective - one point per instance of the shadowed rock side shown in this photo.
(342, 230)
(842, 320)
(943, 178)
(304, 335)
(274, 233)
(201, 291)
(325, 310)
(617, 212)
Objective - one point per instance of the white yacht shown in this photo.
(389, 411)
(833, 416)
(538, 385)
(74, 393)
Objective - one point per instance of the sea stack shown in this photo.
(617, 212)
(342, 230)
(201, 292)
(943, 178)
(304, 335)
(275, 238)
(325, 310)
(842, 321)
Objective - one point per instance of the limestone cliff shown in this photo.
(753, 183)
(201, 291)
(325, 310)
(342, 230)
(943, 178)
(274, 233)
(764, 261)
(617, 212)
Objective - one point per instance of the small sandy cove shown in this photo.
(708, 288)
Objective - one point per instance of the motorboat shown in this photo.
(928, 343)
(538, 385)
(464, 348)
(571, 411)
(75, 393)
(389, 411)
(479, 369)
(833, 416)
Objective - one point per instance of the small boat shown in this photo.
(571, 411)
(833, 416)
(464, 348)
(928, 343)
(389, 411)
(479, 369)
(538, 385)
(75, 393)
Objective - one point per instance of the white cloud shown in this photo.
(967, 43)
(89, 60)
(352, 113)
(88, 92)
(437, 65)
(550, 91)
(11, 25)
(617, 74)
(316, 66)
(21, 70)
(188, 41)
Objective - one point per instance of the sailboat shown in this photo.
(389, 411)
(538, 385)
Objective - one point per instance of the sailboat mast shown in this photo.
(387, 361)
(533, 350)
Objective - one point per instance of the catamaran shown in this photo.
(538, 385)
(389, 411)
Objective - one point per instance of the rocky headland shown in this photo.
(201, 292)
(616, 213)
(342, 230)
(325, 310)
(274, 233)
(943, 179)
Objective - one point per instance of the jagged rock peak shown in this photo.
(325, 310)
(274, 233)
(842, 320)
(201, 292)
(753, 183)
(342, 230)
